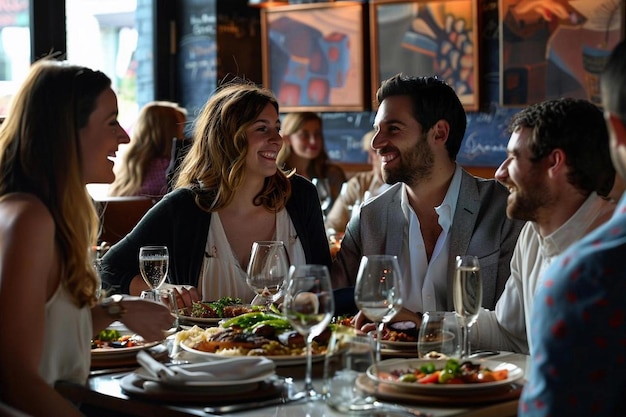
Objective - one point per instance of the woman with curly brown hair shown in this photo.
(229, 193)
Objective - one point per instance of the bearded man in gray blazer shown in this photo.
(435, 210)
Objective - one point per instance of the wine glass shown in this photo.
(154, 264)
(309, 307)
(267, 270)
(377, 291)
(468, 296)
(323, 191)
(439, 335)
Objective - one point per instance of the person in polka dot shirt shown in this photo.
(578, 353)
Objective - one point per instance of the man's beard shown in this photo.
(527, 203)
(415, 165)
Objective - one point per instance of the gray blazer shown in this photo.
(480, 227)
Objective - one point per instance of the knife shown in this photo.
(232, 408)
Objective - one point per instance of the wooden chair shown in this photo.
(118, 216)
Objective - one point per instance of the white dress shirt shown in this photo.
(508, 327)
(425, 282)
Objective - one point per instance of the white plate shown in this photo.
(144, 374)
(400, 345)
(282, 360)
(102, 352)
(515, 373)
(200, 320)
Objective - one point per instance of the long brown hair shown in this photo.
(215, 164)
(291, 123)
(40, 155)
(157, 125)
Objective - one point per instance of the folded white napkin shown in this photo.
(234, 369)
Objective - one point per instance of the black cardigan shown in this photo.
(178, 223)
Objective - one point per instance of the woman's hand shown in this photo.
(185, 296)
(147, 318)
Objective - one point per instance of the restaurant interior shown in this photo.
(327, 57)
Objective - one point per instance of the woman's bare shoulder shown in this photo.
(24, 212)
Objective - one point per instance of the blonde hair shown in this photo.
(215, 164)
(159, 122)
(40, 155)
(291, 123)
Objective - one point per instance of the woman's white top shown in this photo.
(222, 276)
(67, 344)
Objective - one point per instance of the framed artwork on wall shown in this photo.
(314, 57)
(426, 38)
(550, 52)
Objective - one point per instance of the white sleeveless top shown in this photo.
(221, 274)
(67, 344)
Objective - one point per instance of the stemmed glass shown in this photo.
(267, 270)
(154, 264)
(468, 296)
(309, 307)
(323, 191)
(377, 291)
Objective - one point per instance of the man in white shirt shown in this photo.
(558, 162)
(435, 210)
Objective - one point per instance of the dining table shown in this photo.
(104, 395)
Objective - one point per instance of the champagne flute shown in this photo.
(468, 296)
(309, 307)
(267, 270)
(377, 291)
(154, 264)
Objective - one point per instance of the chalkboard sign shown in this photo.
(197, 53)
(484, 144)
(343, 135)
(486, 138)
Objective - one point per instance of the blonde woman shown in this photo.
(305, 152)
(58, 136)
(144, 164)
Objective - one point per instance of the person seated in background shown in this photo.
(58, 136)
(143, 167)
(435, 210)
(305, 152)
(577, 362)
(361, 187)
(229, 194)
(558, 162)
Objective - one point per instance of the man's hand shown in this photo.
(362, 323)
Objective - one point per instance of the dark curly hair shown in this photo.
(578, 128)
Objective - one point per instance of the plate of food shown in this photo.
(395, 345)
(114, 343)
(210, 313)
(252, 334)
(279, 360)
(444, 376)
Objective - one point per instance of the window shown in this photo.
(14, 48)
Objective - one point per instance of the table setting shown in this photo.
(301, 360)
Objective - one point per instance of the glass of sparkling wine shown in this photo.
(377, 291)
(154, 264)
(468, 297)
